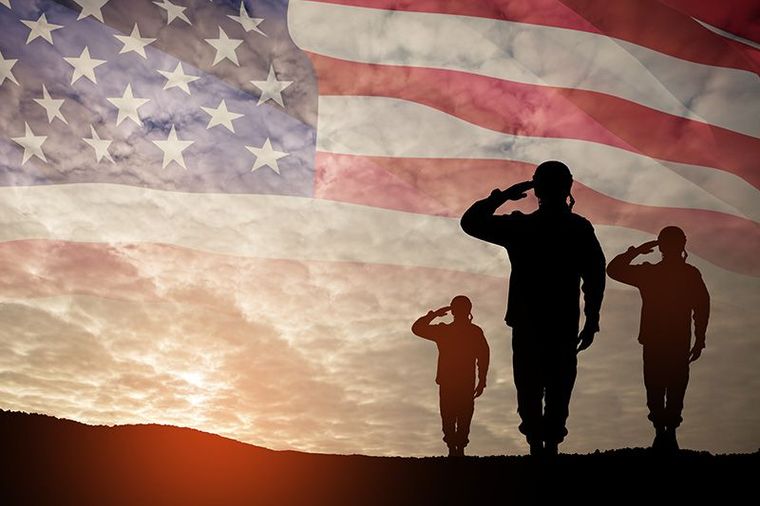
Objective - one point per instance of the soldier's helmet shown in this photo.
(552, 179)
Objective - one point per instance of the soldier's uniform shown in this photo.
(551, 251)
(672, 294)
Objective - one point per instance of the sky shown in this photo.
(320, 357)
(287, 324)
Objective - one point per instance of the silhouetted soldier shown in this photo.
(551, 250)
(461, 345)
(672, 293)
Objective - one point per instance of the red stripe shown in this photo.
(450, 185)
(544, 111)
(739, 17)
(647, 23)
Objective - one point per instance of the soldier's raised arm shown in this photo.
(620, 268)
(479, 220)
(422, 326)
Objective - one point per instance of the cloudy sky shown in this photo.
(155, 296)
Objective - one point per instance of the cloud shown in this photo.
(316, 356)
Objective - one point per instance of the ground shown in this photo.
(56, 461)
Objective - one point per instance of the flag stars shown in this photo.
(173, 11)
(99, 145)
(91, 8)
(178, 79)
(134, 42)
(271, 89)
(5, 70)
(225, 48)
(40, 28)
(221, 116)
(128, 105)
(266, 156)
(84, 66)
(173, 148)
(31, 143)
(52, 106)
(247, 22)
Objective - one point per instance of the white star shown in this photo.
(32, 144)
(84, 66)
(247, 22)
(173, 148)
(99, 145)
(128, 105)
(7, 3)
(221, 116)
(52, 106)
(91, 8)
(271, 89)
(5, 69)
(173, 11)
(177, 78)
(265, 155)
(134, 42)
(40, 28)
(225, 47)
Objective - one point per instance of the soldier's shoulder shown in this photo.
(580, 220)
(693, 270)
(581, 223)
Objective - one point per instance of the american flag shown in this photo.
(227, 214)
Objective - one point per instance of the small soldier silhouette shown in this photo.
(461, 346)
(672, 294)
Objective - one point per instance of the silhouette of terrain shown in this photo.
(47, 460)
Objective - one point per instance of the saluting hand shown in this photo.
(441, 311)
(647, 247)
(516, 191)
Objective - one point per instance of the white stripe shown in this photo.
(381, 126)
(270, 226)
(728, 35)
(531, 54)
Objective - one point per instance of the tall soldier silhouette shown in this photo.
(461, 346)
(551, 250)
(672, 293)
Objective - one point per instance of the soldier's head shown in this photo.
(552, 182)
(461, 308)
(672, 243)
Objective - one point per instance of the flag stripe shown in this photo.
(448, 187)
(667, 30)
(299, 228)
(544, 111)
(741, 17)
(151, 272)
(380, 126)
(531, 54)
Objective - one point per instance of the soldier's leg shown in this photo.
(448, 416)
(678, 379)
(562, 365)
(465, 409)
(526, 368)
(655, 372)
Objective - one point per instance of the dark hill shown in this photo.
(47, 460)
